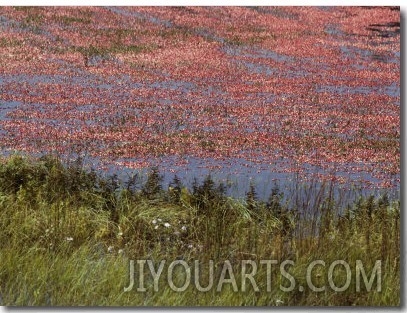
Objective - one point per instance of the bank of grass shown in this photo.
(67, 237)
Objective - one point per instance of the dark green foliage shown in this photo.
(251, 197)
(153, 187)
(207, 195)
(175, 190)
(274, 202)
(48, 176)
(133, 182)
(18, 173)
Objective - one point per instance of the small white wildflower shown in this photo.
(110, 249)
(159, 220)
(120, 251)
(69, 239)
(156, 227)
(154, 221)
(167, 225)
(184, 228)
(190, 246)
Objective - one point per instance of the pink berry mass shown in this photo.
(273, 89)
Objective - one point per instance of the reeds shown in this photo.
(67, 237)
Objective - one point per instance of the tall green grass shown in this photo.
(67, 237)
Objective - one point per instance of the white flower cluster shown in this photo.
(157, 222)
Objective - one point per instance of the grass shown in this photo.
(68, 236)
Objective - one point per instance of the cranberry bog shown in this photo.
(248, 94)
(137, 139)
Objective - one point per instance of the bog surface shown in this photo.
(200, 156)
